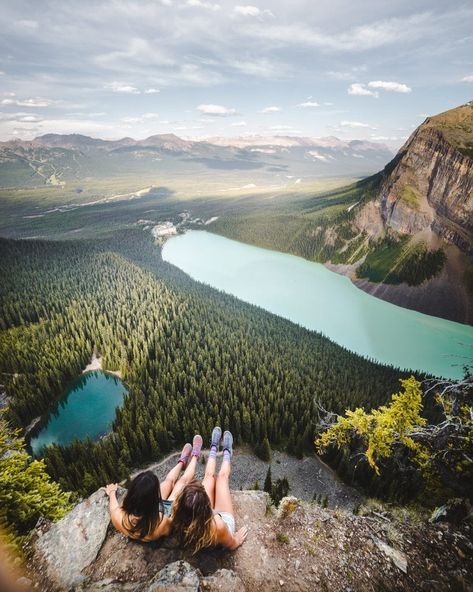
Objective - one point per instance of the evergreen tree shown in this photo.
(268, 483)
(26, 490)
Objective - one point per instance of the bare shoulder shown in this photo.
(163, 528)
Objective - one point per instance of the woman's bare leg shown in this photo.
(209, 477)
(189, 473)
(223, 500)
(168, 483)
(170, 480)
(185, 478)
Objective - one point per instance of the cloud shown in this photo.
(272, 109)
(27, 24)
(384, 138)
(467, 78)
(152, 91)
(239, 124)
(217, 110)
(136, 54)
(309, 104)
(201, 4)
(354, 124)
(260, 67)
(249, 10)
(140, 118)
(281, 128)
(35, 102)
(122, 87)
(360, 90)
(20, 117)
(390, 86)
(360, 38)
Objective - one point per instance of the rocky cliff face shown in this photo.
(429, 184)
(298, 547)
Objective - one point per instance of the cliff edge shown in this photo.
(298, 547)
(429, 184)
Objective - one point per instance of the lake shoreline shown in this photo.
(315, 297)
(96, 364)
(86, 409)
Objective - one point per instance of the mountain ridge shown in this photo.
(52, 140)
(428, 185)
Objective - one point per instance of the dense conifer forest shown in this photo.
(191, 356)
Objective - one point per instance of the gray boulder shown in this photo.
(73, 543)
(223, 580)
(176, 577)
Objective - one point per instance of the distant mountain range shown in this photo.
(61, 159)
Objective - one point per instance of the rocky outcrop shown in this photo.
(73, 543)
(428, 185)
(300, 547)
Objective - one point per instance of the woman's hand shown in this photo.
(240, 536)
(110, 488)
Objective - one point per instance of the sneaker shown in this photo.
(185, 454)
(216, 435)
(197, 445)
(228, 442)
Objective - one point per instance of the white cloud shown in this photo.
(360, 90)
(20, 117)
(467, 78)
(360, 38)
(35, 102)
(202, 4)
(390, 86)
(218, 110)
(122, 87)
(250, 10)
(308, 104)
(281, 128)
(354, 124)
(140, 118)
(272, 109)
(152, 91)
(239, 124)
(27, 24)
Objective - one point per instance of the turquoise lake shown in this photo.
(87, 410)
(309, 294)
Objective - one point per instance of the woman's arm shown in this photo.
(225, 537)
(116, 513)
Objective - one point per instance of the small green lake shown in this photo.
(309, 294)
(86, 411)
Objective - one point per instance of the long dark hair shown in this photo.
(192, 517)
(143, 502)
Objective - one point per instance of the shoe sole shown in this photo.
(197, 445)
(228, 445)
(217, 443)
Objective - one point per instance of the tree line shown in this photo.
(191, 356)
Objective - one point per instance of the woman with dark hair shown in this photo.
(202, 513)
(146, 506)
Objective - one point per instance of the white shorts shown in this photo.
(229, 520)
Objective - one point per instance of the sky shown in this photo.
(369, 69)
